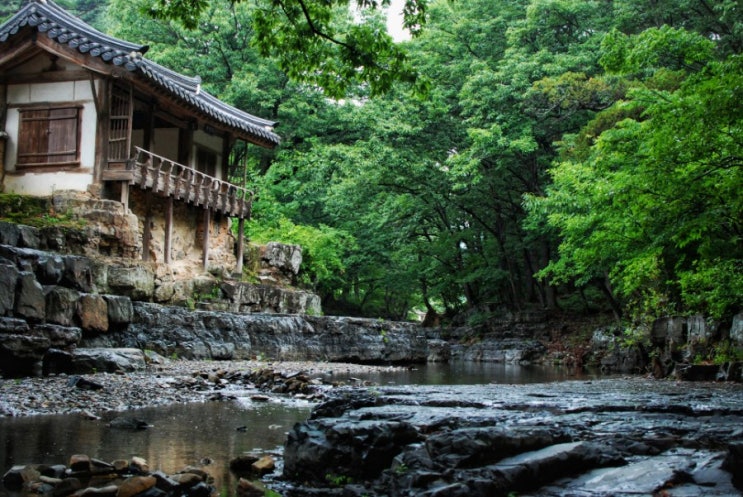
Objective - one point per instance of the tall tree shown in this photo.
(647, 194)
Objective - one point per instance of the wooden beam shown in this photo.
(117, 175)
(87, 61)
(168, 228)
(47, 77)
(164, 113)
(16, 55)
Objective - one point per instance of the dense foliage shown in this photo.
(334, 44)
(576, 155)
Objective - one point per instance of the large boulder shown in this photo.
(61, 337)
(247, 297)
(286, 258)
(9, 233)
(78, 273)
(736, 330)
(359, 450)
(8, 280)
(30, 301)
(93, 313)
(22, 354)
(90, 360)
(120, 310)
(734, 463)
(61, 305)
(137, 282)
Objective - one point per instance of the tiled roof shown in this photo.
(59, 25)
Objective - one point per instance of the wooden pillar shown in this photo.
(147, 232)
(101, 99)
(240, 246)
(125, 195)
(207, 228)
(168, 229)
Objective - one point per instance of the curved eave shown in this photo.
(188, 91)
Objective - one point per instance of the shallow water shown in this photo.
(471, 373)
(207, 433)
(201, 434)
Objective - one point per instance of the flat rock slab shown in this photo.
(678, 473)
(89, 360)
(616, 437)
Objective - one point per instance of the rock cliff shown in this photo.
(58, 310)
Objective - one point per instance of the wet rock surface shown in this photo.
(616, 437)
(122, 478)
(224, 336)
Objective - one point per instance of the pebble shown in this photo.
(174, 381)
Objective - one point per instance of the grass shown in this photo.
(34, 211)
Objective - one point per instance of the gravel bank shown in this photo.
(167, 383)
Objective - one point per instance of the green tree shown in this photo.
(646, 196)
(337, 45)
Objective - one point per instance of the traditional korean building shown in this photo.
(82, 111)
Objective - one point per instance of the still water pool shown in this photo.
(210, 434)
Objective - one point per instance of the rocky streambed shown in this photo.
(605, 437)
(171, 382)
(617, 437)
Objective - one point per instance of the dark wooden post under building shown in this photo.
(168, 228)
(147, 232)
(240, 245)
(207, 223)
(228, 142)
(185, 144)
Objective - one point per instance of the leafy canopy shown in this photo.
(653, 201)
(340, 46)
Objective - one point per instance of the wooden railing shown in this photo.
(170, 179)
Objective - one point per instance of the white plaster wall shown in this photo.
(45, 183)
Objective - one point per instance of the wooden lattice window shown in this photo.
(120, 129)
(49, 136)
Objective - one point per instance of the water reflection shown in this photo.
(470, 373)
(181, 435)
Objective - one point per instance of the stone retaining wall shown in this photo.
(53, 305)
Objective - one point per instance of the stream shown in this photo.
(210, 434)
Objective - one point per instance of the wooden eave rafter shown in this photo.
(18, 53)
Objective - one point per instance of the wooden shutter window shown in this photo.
(120, 125)
(49, 136)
